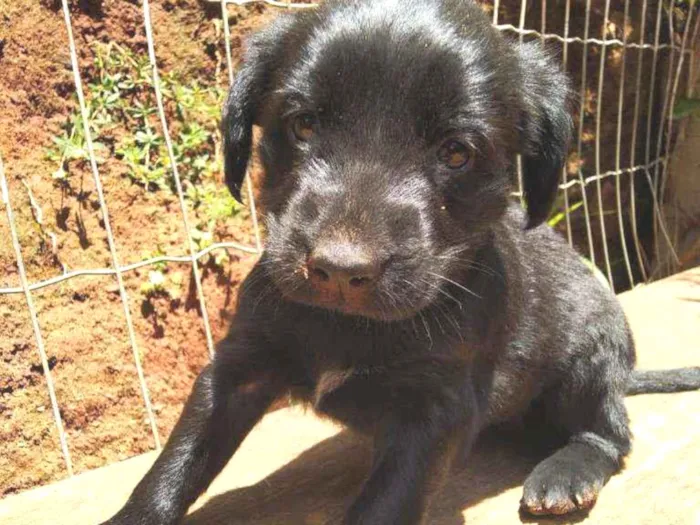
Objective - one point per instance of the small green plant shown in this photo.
(214, 201)
(203, 238)
(559, 216)
(154, 285)
(160, 280)
(124, 124)
(686, 107)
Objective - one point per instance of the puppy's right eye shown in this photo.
(454, 154)
(304, 126)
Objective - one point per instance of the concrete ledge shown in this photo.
(296, 469)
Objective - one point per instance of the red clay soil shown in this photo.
(82, 320)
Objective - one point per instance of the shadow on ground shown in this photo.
(314, 488)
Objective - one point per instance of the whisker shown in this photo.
(443, 292)
(435, 317)
(427, 329)
(265, 291)
(413, 285)
(415, 328)
(455, 324)
(456, 284)
(451, 319)
(452, 253)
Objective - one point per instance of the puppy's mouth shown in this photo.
(352, 297)
(339, 298)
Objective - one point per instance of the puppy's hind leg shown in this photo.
(589, 407)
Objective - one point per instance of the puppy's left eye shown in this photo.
(304, 126)
(453, 154)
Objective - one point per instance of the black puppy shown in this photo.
(400, 293)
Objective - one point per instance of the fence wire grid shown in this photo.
(650, 161)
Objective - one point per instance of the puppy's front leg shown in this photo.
(228, 398)
(411, 458)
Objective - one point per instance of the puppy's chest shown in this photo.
(356, 396)
(358, 377)
(348, 374)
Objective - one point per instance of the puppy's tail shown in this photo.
(664, 381)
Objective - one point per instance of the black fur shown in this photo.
(400, 293)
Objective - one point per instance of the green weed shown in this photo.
(560, 212)
(161, 282)
(124, 124)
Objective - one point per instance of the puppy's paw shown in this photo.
(566, 482)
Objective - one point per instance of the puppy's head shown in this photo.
(389, 134)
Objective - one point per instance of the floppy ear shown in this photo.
(546, 127)
(248, 92)
(237, 127)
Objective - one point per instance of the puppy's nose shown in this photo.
(348, 265)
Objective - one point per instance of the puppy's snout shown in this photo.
(343, 266)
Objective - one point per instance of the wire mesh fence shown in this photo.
(630, 62)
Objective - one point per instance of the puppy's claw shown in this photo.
(556, 487)
(586, 500)
(554, 501)
(548, 507)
